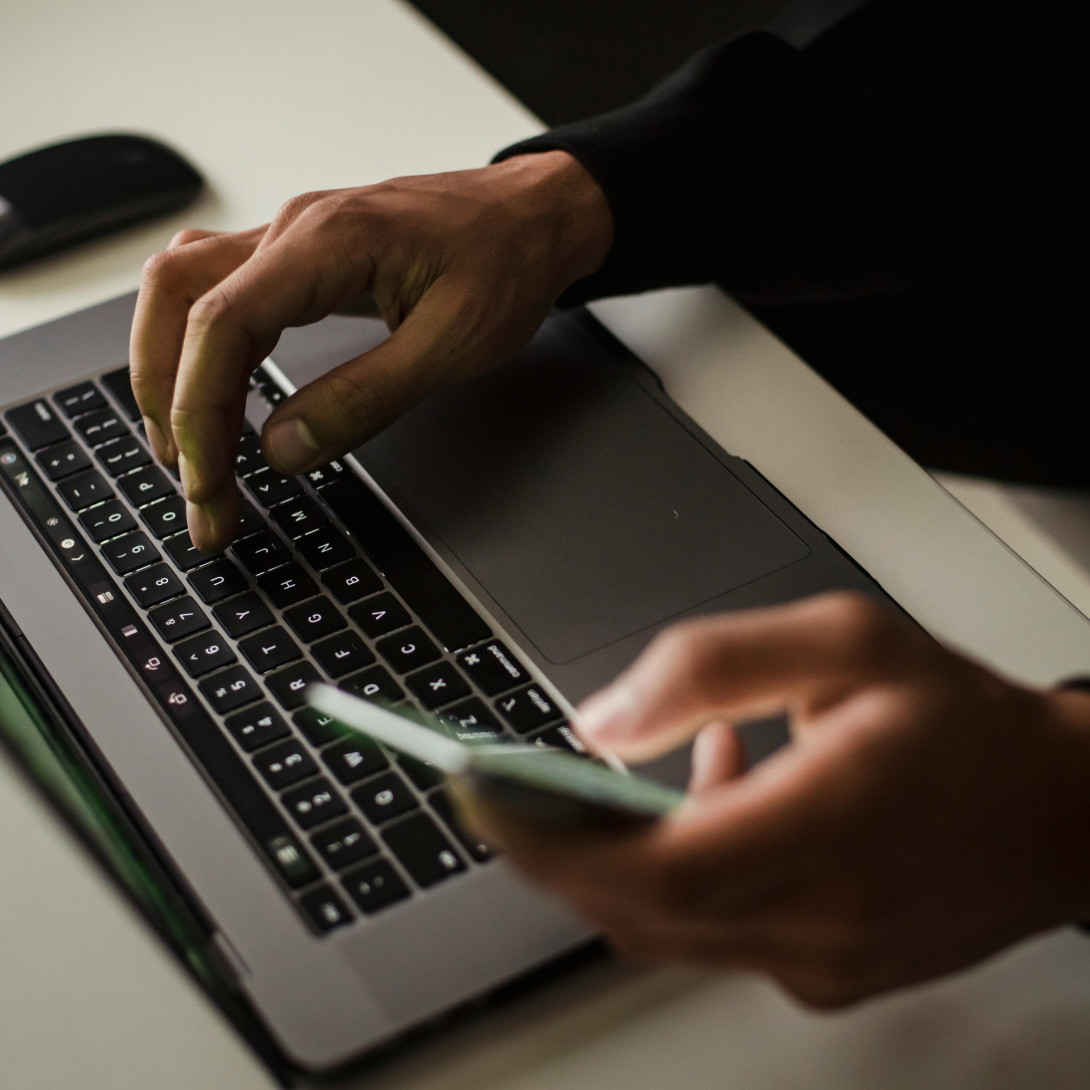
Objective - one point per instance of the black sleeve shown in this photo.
(745, 167)
(886, 154)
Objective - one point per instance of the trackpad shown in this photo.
(574, 498)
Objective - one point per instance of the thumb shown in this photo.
(742, 666)
(442, 337)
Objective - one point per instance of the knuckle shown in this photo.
(210, 308)
(160, 270)
(861, 627)
(824, 995)
(682, 652)
(819, 988)
(295, 206)
(185, 237)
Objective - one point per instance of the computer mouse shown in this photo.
(59, 195)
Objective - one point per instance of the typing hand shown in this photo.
(927, 814)
(463, 268)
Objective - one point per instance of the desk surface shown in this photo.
(276, 98)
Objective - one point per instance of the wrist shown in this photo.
(554, 187)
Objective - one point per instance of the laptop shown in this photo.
(493, 557)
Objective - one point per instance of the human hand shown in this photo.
(463, 267)
(928, 813)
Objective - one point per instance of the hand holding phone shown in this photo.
(544, 783)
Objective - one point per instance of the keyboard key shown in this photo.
(289, 684)
(85, 489)
(324, 548)
(243, 614)
(165, 517)
(267, 650)
(317, 727)
(178, 619)
(528, 709)
(493, 667)
(354, 759)
(379, 615)
(184, 553)
(146, 485)
(289, 859)
(80, 399)
(408, 650)
(101, 425)
(270, 488)
(314, 619)
(375, 886)
(257, 726)
(423, 850)
(120, 385)
(437, 685)
(313, 802)
(219, 580)
(38, 424)
(559, 737)
(324, 910)
(327, 474)
(249, 521)
(248, 458)
(441, 804)
(230, 689)
(132, 551)
(154, 585)
(343, 843)
(351, 581)
(287, 585)
(472, 721)
(373, 684)
(299, 516)
(384, 797)
(122, 455)
(420, 773)
(204, 653)
(285, 763)
(408, 568)
(342, 654)
(107, 520)
(260, 552)
(63, 459)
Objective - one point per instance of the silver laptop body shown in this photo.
(564, 495)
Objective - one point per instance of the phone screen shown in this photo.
(542, 781)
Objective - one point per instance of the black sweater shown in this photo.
(901, 201)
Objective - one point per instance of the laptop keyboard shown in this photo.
(322, 583)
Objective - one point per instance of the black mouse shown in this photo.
(56, 196)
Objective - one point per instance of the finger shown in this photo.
(654, 868)
(192, 234)
(440, 338)
(172, 281)
(229, 331)
(718, 756)
(746, 665)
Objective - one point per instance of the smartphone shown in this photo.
(542, 782)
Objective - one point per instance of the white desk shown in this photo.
(275, 98)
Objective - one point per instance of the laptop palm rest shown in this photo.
(569, 492)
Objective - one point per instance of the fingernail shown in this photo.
(607, 714)
(156, 438)
(185, 473)
(291, 444)
(200, 528)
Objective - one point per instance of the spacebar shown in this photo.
(411, 571)
(205, 741)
